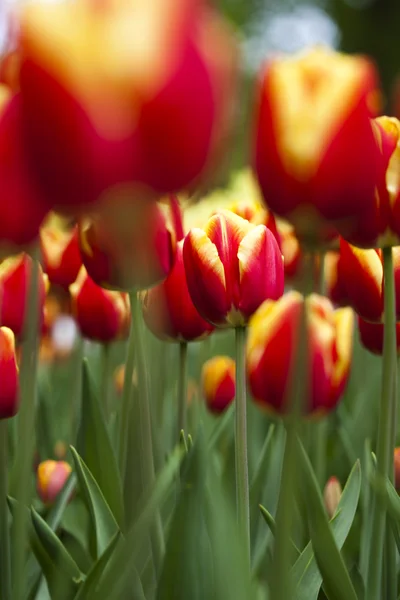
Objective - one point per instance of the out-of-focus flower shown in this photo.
(316, 155)
(130, 114)
(231, 267)
(396, 458)
(272, 344)
(371, 336)
(168, 309)
(378, 225)
(218, 383)
(22, 207)
(119, 377)
(332, 495)
(128, 249)
(333, 278)
(102, 315)
(61, 257)
(290, 248)
(52, 475)
(362, 277)
(9, 388)
(15, 275)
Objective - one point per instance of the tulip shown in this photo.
(371, 336)
(52, 475)
(218, 383)
(102, 315)
(315, 155)
(334, 281)
(332, 495)
(271, 350)
(133, 251)
(114, 115)
(119, 377)
(290, 248)
(379, 225)
(9, 389)
(22, 206)
(362, 276)
(231, 267)
(168, 309)
(14, 286)
(61, 255)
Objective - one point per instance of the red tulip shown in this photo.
(9, 389)
(371, 335)
(102, 315)
(218, 383)
(231, 267)
(316, 156)
(271, 351)
(61, 257)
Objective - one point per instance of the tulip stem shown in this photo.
(385, 444)
(146, 445)
(241, 462)
(126, 395)
(23, 461)
(5, 564)
(182, 387)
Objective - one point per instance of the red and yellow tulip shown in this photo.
(9, 389)
(231, 267)
(218, 383)
(61, 256)
(52, 475)
(271, 351)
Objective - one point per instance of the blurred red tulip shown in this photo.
(9, 389)
(102, 315)
(371, 335)
(218, 383)
(316, 156)
(231, 267)
(271, 350)
(61, 257)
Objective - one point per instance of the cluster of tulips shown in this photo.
(114, 115)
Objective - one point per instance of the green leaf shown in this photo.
(55, 514)
(91, 582)
(54, 547)
(122, 564)
(96, 449)
(336, 579)
(268, 518)
(305, 572)
(223, 425)
(103, 521)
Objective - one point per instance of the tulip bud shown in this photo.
(332, 495)
(14, 287)
(132, 250)
(231, 267)
(271, 351)
(371, 336)
(61, 256)
(218, 383)
(168, 310)
(396, 460)
(314, 139)
(102, 315)
(362, 277)
(52, 475)
(9, 388)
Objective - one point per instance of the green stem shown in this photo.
(147, 458)
(384, 451)
(106, 378)
(22, 469)
(126, 395)
(241, 462)
(182, 387)
(5, 565)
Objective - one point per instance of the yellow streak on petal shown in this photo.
(344, 324)
(207, 252)
(312, 93)
(249, 246)
(392, 126)
(214, 371)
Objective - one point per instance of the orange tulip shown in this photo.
(316, 155)
(52, 475)
(271, 350)
(231, 267)
(332, 494)
(9, 389)
(218, 383)
(102, 315)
